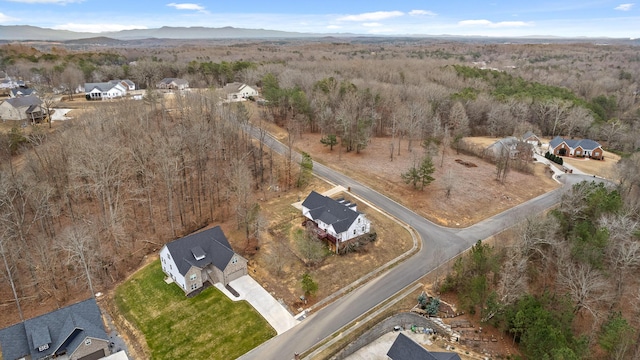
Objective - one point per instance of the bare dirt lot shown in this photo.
(475, 196)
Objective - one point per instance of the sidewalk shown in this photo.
(270, 309)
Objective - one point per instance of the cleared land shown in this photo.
(475, 194)
(207, 326)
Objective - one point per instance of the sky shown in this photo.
(568, 18)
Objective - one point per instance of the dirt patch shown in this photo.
(475, 194)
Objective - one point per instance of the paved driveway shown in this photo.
(270, 309)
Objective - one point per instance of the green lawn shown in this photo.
(208, 326)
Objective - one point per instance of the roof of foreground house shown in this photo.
(330, 211)
(201, 249)
(24, 101)
(586, 144)
(406, 349)
(61, 329)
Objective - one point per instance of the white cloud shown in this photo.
(624, 7)
(6, 18)
(422, 13)
(371, 24)
(58, 2)
(97, 28)
(333, 27)
(187, 6)
(372, 16)
(491, 24)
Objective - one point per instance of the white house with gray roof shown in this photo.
(75, 332)
(338, 221)
(108, 90)
(22, 108)
(236, 91)
(202, 257)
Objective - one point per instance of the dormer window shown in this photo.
(43, 347)
(198, 253)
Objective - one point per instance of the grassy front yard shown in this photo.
(208, 326)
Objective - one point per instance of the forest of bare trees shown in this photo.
(82, 205)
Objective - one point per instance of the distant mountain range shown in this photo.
(27, 32)
(33, 33)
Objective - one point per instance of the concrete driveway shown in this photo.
(270, 309)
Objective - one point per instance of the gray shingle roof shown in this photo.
(24, 101)
(63, 329)
(529, 134)
(586, 144)
(212, 242)
(22, 91)
(177, 81)
(104, 87)
(404, 348)
(330, 211)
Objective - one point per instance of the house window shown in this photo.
(194, 286)
(43, 347)
(354, 231)
(234, 260)
(358, 220)
(170, 267)
(87, 341)
(363, 229)
(193, 277)
(168, 256)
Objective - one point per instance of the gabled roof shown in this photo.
(24, 101)
(63, 329)
(404, 348)
(22, 91)
(330, 211)
(103, 87)
(176, 81)
(188, 251)
(529, 134)
(586, 144)
(234, 87)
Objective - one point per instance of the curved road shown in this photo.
(448, 242)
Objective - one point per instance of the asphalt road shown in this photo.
(438, 245)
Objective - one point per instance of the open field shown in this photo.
(207, 326)
(475, 195)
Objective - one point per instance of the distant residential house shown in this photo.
(19, 91)
(173, 84)
(24, 108)
(105, 90)
(578, 148)
(403, 348)
(75, 332)
(201, 257)
(238, 91)
(128, 84)
(531, 138)
(512, 146)
(7, 83)
(338, 221)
